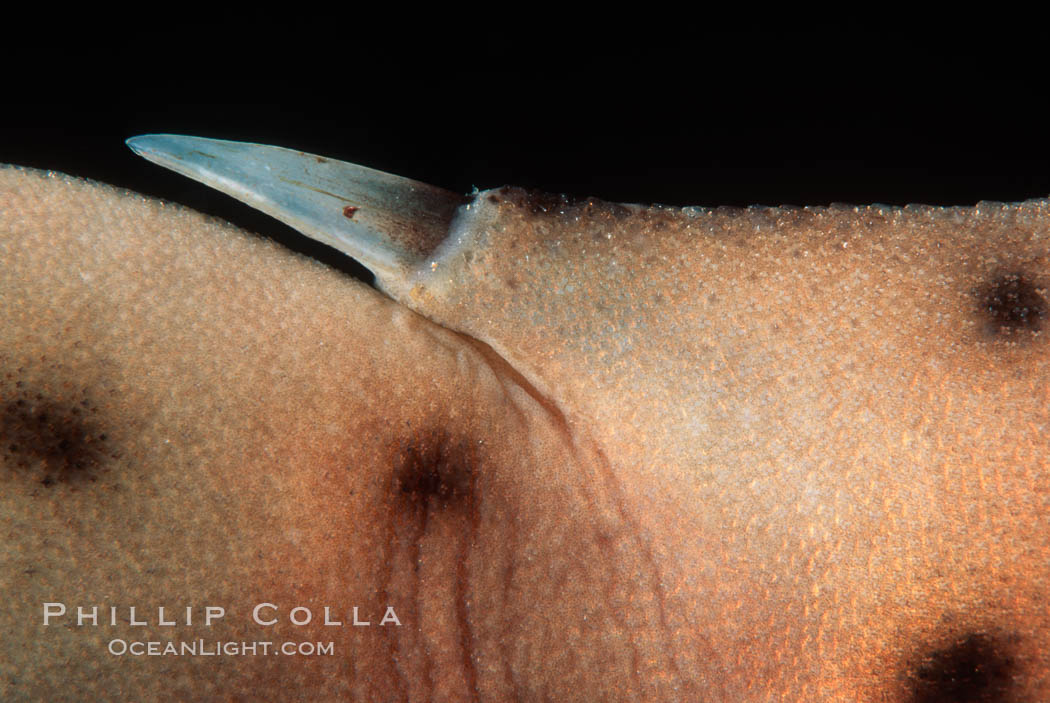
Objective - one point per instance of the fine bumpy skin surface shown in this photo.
(639, 454)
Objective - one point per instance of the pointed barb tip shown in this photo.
(388, 223)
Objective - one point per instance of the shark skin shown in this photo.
(591, 452)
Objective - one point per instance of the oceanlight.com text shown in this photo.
(214, 648)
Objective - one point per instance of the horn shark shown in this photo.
(569, 450)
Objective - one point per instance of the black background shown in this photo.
(651, 113)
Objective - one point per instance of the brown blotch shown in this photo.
(434, 473)
(976, 668)
(1011, 304)
(52, 440)
(349, 210)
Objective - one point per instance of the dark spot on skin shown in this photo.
(1012, 303)
(349, 210)
(435, 483)
(434, 473)
(50, 440)
(974, 669)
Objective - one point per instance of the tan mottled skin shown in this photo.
(725, 455)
